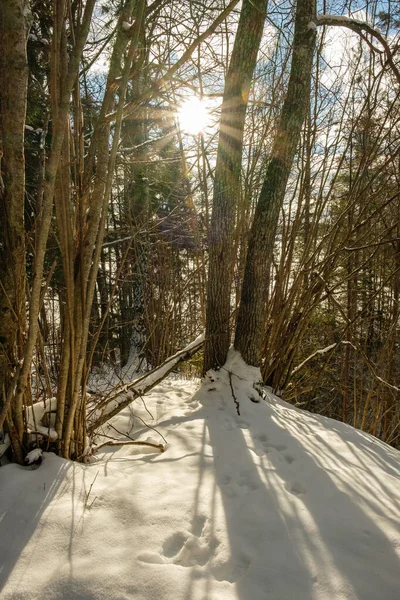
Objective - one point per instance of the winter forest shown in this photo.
(200, 193)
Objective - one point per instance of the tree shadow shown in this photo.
(300, 523)
(25, 495)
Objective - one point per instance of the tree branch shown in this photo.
(360, 27)
(156, 87)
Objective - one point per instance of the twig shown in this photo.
(147, 410)
(160, 447)
(144, 423)
(90, 489)
(236, 401)
(231, 373)
(150, 427)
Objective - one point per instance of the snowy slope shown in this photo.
(273, 504)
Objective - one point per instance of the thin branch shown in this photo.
(359, 27)
(128, 108)
(160, 447)
(236, 401)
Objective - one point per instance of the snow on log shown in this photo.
(316, 353)
(125, 394)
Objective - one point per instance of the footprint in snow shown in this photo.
(198, 525)
(258, 451)
(224, 480)
(229, 424)
(295, 488)
(232, 570)
(289, 458)
(174, 544)
(268, 446)
(184, 548)
(247, 482)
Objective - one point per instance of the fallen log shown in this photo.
(125, 394)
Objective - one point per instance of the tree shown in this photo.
(15, 20)
(251, 317)
(227, 178)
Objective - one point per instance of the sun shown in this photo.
(193, 115)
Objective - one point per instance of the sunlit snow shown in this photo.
(274, 503)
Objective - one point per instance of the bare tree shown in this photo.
(227, 181)
(251, 317)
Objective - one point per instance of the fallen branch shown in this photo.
(113, 404)
(236, 401)
(160, 447)
(144, 423)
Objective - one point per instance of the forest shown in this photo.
(178, 177)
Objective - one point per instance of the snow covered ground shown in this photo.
(274, 504)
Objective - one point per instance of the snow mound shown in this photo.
(252, 500)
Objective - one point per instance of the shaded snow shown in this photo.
(272, 504)
(35, 414)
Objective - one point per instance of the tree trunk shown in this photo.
(14, 25)
(251, 318)
(227, 181)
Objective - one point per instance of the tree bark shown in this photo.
(227, 181)
(14, 26)
(251, 317)
(46, 209)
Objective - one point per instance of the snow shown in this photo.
(140, 384)
(274, 504)
(316, 353)
(33, 456)
(341, 20)
(35, 414)
(126, 26)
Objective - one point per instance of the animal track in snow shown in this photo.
(279, 447)
(229, 424)
(257, 451)
(232, 570)
(295, 488)
(184, 548)
(173, 544)
(198, 525)
(248, 481)
(267, 446)
(289, 458)
(224, 480)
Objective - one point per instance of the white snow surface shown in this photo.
(33, 455)
(274, 504)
